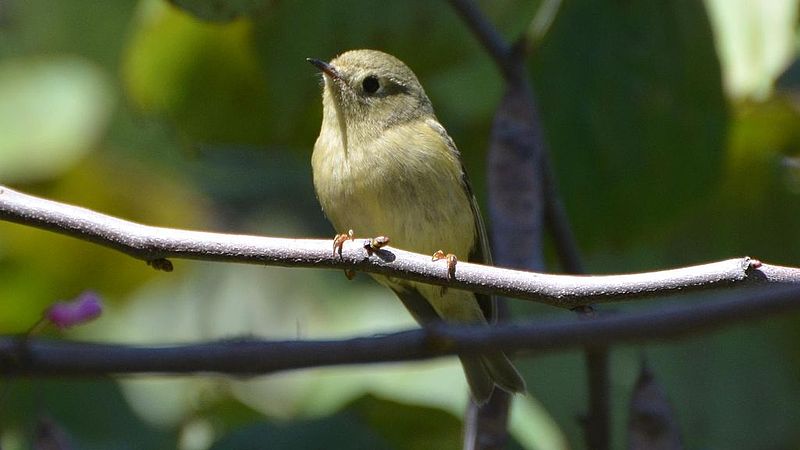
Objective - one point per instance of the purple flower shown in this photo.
(83, 308)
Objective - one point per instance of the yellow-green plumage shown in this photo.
(383, 165)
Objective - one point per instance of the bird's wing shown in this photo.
(480, 252)
(419, 307)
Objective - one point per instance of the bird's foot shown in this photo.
(451, 261)
(339, 240)
(451, 265)
(375, 243)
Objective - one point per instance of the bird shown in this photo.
(384, 165)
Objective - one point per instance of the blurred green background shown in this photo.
(674, 131)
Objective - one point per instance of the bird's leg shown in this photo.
(451, 261)
(340, 239)
(451, 265)
(338, 242)
(370, 245)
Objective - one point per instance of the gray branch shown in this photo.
(566, 291)
(43, 357)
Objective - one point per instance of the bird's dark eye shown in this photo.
(371, 84)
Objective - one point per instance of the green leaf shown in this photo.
(409, 427)
(633, 107)
(38, 268)
(203, 78)
(342, 430)
(53, 113)
(219, 10)
(92, 414)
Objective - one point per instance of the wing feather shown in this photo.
(480, 252)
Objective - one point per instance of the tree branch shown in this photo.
(486, 34)
(565, 291)
(515, 200)
(37, 356)
(522, 190)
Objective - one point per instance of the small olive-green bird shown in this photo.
(383, 165)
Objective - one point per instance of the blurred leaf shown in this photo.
(228, 414)
(756, 40)
(447, 87)
(49, 435)
(203, 77)
(725, 385)
(52, 114)
(756, 210)
(633, 108)
(789, 79)
(630, 96)
(38, 267)
(211, 301)
(91, 29)
(409, 427)
(220, 10)
(761, 134)
(92, 413)
(532, 424)
(341, 431)
(399, 28)
(651, 421)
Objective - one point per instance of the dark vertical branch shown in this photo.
(597, 423)
(651, 420)
(523, 196)
(486, 426)
(516, 210)
(516, 194)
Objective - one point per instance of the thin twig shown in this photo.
(486, 34)
(39, 356)
(565, 291)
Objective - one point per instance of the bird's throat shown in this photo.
(334, 114)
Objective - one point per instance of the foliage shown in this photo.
(204, 118)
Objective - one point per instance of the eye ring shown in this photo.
(370, 84)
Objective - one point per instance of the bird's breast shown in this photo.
(405, 184)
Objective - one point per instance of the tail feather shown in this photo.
(483, 372)
(478, 378)
(503, 373)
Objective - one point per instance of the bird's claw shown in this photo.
(375, 243)
(451, 266)
(451, 262)
(339, 240)
(370, 246)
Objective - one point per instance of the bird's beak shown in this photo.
(326, 68)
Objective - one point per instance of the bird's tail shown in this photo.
(485, 371)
